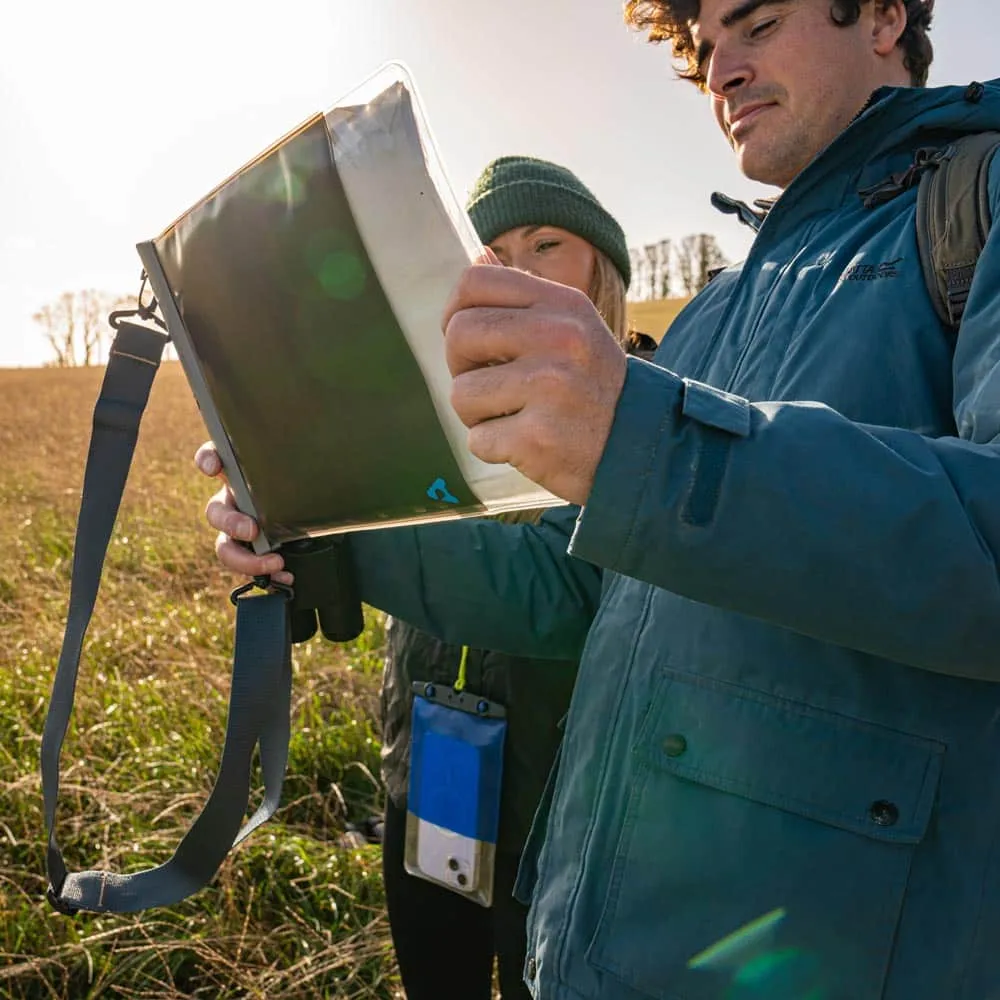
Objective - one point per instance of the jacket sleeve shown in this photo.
(873, 538)
(507, 587)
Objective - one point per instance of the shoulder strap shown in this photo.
(953, 221)
(259, 700)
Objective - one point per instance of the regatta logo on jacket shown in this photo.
(872, 272)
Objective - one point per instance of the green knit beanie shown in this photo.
(519, 191)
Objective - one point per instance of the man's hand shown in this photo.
(537, 376)
(222, 514)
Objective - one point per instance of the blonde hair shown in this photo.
(607, 292)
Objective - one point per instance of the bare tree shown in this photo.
(75, 325)
(636, 258)
(698, 258)
(711, 260)
(91, 310)
(666, 268)
(686, 256)
(650, 270)
(664, 265)
(58, 324)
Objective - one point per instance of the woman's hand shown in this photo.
(234, 527)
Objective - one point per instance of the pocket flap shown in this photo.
(868, 779)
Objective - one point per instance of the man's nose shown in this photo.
(729, 69)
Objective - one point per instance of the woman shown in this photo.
(538, 217)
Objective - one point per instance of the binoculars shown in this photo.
(325, 590)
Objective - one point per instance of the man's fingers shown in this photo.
(517, 439)
(222, 514)
(504, 288)
(235, 527)
(485, 336)
(242, 560)
(492, 336)
(501, 390)
(490, 440)
(489, 257)
(206, 458)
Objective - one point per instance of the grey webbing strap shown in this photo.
(260, 695)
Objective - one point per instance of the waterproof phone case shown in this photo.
(453, 802)
(304, 296)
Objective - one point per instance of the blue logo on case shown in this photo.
(438, 490)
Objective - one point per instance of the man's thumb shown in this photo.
(488, 257)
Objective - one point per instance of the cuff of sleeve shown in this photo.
(651, 440)
(715, 408)
(650, 402)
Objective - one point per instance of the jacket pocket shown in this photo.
(765, 849)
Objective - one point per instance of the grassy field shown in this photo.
(292, 913)
(655, 316)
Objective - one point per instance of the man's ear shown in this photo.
(889, 23)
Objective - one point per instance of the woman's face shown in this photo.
(549, 252)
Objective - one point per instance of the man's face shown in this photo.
(784, 80)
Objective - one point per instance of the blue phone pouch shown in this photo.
(453, 803)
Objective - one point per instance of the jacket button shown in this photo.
(884, 813)
(531, 970)
(674, 745)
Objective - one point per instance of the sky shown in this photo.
(116, 117)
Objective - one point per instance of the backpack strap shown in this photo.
(953, 221)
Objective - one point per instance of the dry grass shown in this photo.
(292, 914)
(654, 317)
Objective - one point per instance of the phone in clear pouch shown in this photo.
(453, 802)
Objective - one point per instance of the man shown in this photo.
(779, 776)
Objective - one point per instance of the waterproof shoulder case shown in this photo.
(453, 800)
(304, 296)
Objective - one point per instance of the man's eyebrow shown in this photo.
(737, 14)
(744, 10)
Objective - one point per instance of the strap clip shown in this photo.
(58, 903)
(145, 312)
(263, 583)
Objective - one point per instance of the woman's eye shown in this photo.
(544, 245)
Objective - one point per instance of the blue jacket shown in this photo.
(780, 775)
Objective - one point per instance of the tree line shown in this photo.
(75, 324)
(674, 268)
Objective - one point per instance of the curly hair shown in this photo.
(670, 21)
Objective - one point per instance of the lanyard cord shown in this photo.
(460, 683)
